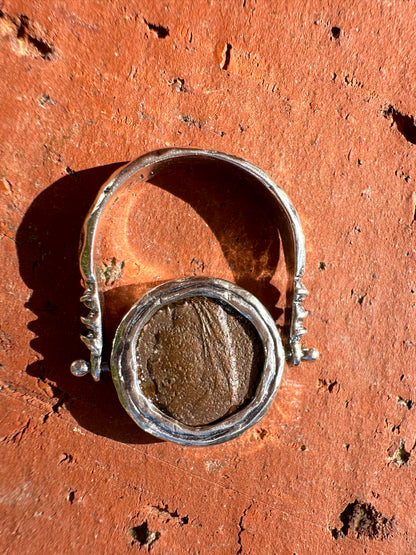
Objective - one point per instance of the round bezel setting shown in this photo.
(142, 409)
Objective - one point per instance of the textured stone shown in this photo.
(323, 98)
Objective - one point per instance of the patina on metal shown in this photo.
(247, 403)
(199, 359)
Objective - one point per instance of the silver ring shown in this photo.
(146, 410)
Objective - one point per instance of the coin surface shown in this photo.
(199, 360)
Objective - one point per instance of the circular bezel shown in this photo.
(125, 372)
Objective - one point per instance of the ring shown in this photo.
(196, 360)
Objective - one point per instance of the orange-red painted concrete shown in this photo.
(324, 100)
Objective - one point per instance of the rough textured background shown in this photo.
(323, 99)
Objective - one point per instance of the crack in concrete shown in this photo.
(183, 520)
(241, 529)
(16, 436)
(23, 33)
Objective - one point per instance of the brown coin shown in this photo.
(199, 360)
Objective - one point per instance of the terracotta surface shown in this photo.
(322, 98)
